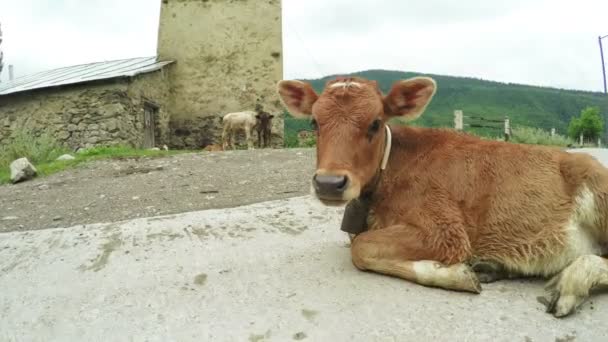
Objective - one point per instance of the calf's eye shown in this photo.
(374, 127)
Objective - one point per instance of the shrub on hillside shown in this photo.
(537, 136)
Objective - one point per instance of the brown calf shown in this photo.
(264, 128)
(445, 209)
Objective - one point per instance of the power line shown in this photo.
(304, 46)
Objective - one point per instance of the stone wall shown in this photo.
(228, 57)
(153, 88)
(92, 114)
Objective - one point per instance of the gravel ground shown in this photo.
(121, 189)
(116, 190)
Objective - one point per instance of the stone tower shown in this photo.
(228, 56)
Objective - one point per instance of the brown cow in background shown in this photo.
(264, 128)
(445, 209)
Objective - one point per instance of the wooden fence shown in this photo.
(505, 125)
(477, 121)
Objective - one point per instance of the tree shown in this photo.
(590, 124)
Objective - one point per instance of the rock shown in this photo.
(81, 150)
(9, 218)
(22, 170)
(57, 218)
(66, 157)
(92, 140)
(111, 110)
(112, 125)
(155, 149)
(63, 135)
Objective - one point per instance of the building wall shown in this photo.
(154, 88)
(85, 115)
(228, 56)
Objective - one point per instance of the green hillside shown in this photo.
(525, 105)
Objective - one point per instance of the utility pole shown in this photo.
(599, 39)
(603, 64)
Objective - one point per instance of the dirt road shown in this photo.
(115, 190)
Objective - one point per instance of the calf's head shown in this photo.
(264, 119)
(349, 119)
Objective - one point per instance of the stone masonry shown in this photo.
(105, 113)
(228, 57)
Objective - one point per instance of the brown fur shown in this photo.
(455, 199)
(213, 148)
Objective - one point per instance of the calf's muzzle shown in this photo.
(330, 187)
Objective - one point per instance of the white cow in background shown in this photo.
(234, 122)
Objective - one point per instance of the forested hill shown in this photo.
(525, 105)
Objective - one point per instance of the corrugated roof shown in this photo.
(82, 73)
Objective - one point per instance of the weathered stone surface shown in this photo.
(62, 135)
(112, 125)
(22, 170)
(230, 68)
(111, 110)
(66, 157)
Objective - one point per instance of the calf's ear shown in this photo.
(298, 97)
(409, 98)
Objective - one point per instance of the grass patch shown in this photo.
(122, 152)
(38, 149)
(537, 136)
(42, 151)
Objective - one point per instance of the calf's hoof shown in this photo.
(562, 298)
(470, 281)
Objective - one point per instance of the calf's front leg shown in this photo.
(399, 251)
(259, 138)
(267, 136)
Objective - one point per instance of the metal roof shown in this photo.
(82, 73)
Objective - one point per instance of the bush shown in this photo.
(310, 142)
(537, 136)
(38, 149)
(291, 140)
(590, 124)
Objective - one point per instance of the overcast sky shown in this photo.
(539, 42)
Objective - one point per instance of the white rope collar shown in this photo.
(387, 148)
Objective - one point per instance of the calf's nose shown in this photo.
(330, 185)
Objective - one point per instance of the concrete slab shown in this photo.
(273, 271)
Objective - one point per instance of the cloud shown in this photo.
(540, 42)
(537, 42)
(41, 35)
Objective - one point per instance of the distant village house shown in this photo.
(212, 58)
